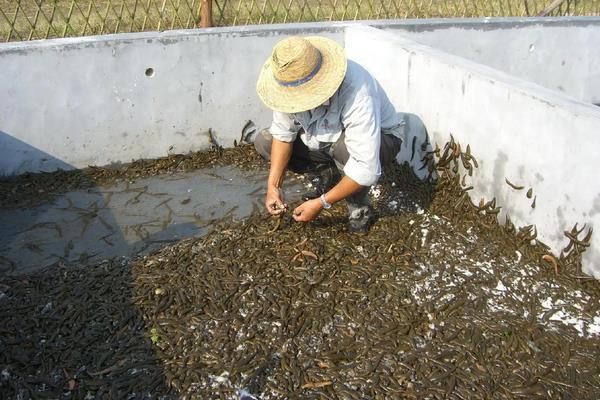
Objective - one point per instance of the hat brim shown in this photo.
(312, 93)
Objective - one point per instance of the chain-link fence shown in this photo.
(36, 19)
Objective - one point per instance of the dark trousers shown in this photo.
(305, 160)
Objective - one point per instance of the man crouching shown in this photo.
(331, 119)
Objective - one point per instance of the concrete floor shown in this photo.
(128, 218)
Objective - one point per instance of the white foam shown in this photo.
(500, 287)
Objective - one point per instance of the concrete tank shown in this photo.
(521, 92)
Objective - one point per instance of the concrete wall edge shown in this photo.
(291, 28)
(536, 91)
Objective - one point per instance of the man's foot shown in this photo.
(361, 219)
(322, 180)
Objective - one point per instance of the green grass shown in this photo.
(62, 18)
(25, 19)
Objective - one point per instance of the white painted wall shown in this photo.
(87, 101)
(559, 55)
(519, 130)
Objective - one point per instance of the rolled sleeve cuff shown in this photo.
(360, 174)
(282, 135)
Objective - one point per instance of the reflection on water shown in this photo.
(127, 218)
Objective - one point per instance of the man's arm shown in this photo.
(308, 210)
(280, 156)
(362, 139)
(344, 188)
(283, 132)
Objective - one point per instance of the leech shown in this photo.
(512, 185)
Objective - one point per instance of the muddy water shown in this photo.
(128, 218)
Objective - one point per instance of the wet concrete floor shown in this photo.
(128, 218)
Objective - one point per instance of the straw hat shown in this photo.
(301, 74)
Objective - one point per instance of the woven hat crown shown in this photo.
(301, 73)
(293, 59)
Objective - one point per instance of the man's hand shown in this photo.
(274, 201)
(280, 156)
(308, 210)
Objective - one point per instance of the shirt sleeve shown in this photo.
(283, 127)
(362, 123)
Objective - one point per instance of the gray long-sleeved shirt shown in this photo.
(361, 109)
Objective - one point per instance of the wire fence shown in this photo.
(40, 19)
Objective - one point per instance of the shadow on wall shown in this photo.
(17, 157)
(71, 329)
(416, 149)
